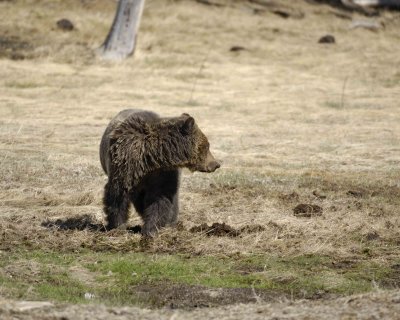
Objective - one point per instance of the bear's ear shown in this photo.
(186, 124)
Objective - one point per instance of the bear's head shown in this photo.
(200, 157)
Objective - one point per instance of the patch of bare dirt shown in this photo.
(65, 25)
(216, 229)
(15, 48)
(357, 193)
(327, 39)
(225, 230)
(344, 264)
(179, 296)
(307, 210)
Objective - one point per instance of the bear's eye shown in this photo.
(203, 148)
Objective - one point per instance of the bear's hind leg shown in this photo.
(173, 212)
(159, 212)
(116, 206)
(156, 200)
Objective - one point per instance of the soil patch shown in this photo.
(307, 210)
(327, 39)
(224, 230)
(343, 264)
(216, 229)
(14, 48)
(357, 193)
(65, 25)
(178, 296)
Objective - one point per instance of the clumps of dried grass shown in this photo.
(72, 234)
(281, 236)
(225, 218)
(85, 232)
(54, 199)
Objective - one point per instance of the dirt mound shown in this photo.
(216, 229)
(224, 230)
(65, 25)
(307, 210)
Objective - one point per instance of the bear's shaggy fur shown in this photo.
(142, 155)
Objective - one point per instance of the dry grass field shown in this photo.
(293, 122)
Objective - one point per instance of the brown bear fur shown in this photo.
(142, 155)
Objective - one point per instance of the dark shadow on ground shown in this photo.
(80, 223)
(85, 222)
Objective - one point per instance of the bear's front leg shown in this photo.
(159, 212)
(116, 206)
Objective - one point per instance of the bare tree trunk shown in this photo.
(121, 40)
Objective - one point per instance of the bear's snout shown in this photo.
(214, 165)
(211, 164)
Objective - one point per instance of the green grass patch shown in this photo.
(61, 287)
(22, 84)
(112, 278)
(334, 105)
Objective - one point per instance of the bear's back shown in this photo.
(147, 116)
(143, 114)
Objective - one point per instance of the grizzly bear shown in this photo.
(142, 154)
